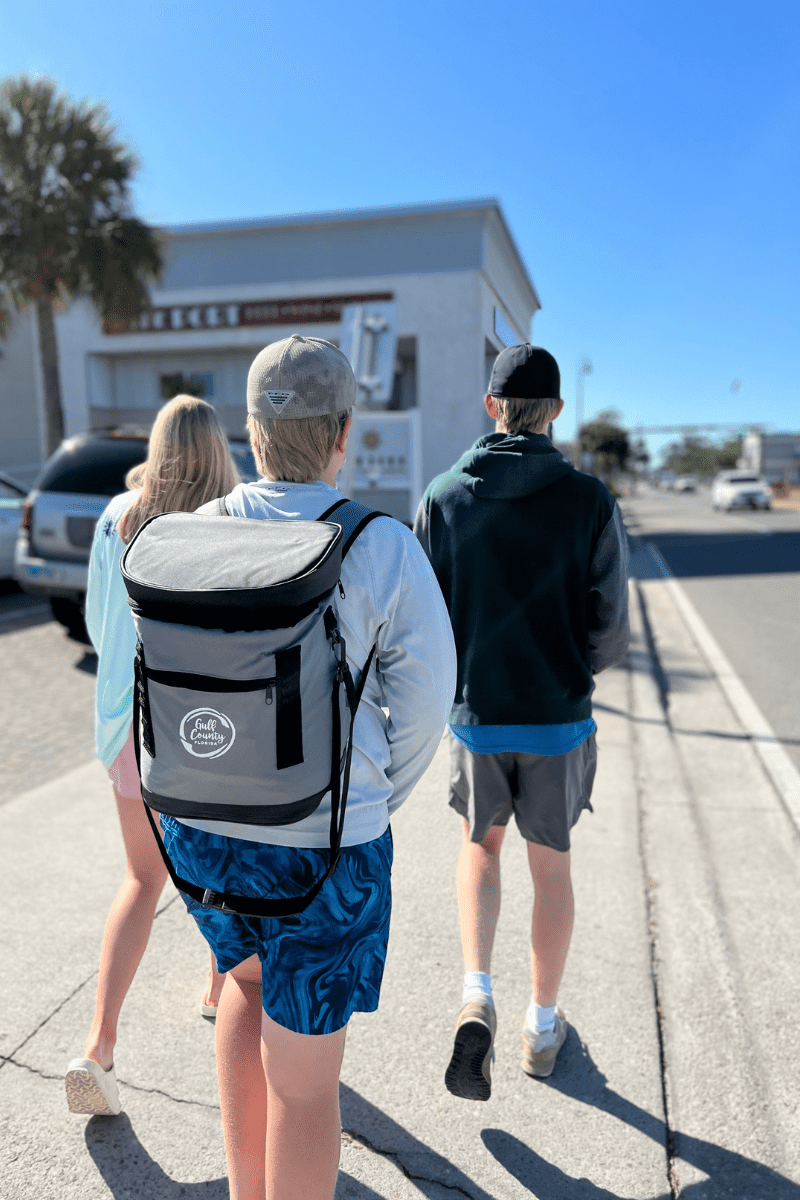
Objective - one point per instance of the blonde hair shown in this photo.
(188, 463)
(525, 416)
(295, 451)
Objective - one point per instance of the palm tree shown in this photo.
(66, 227)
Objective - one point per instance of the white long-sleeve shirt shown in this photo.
(391, 598)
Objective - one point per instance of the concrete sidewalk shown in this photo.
(677, 1075)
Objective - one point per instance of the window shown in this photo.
(200, 384)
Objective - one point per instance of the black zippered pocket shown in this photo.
(212, 683)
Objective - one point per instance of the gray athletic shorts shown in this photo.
(546, 793)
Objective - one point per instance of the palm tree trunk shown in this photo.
(48, 354)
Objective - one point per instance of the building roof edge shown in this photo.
(333, 216)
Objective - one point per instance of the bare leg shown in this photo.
(213, 988)
(127, 927)
(553, 913)
(478, 890)
(303, 1126)
(242, 1087)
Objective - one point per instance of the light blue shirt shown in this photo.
(110, 626)
(523, 739)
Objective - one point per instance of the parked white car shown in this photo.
(685, 483)
(12, 498)
(740, 489)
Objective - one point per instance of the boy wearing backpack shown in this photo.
(293, 982)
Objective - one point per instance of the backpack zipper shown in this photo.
(270, 684)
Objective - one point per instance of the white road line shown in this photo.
(779, 767)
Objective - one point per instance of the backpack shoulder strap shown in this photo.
(353, 517)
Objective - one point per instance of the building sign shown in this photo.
(172, 318)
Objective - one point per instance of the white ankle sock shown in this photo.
(477, 985)
(541, 1018)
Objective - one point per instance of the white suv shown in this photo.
(740, 489)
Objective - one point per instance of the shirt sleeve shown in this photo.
(607, 604)
(96, 586)
(416, 664)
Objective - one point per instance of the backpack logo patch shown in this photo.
(279, 399)
(206, 733)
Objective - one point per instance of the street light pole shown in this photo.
(584, 368)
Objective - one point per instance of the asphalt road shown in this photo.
(742, 573)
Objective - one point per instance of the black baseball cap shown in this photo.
(525, 373)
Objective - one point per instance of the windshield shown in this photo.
(94, 467)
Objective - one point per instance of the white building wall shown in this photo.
(22, 436)
(449, 272)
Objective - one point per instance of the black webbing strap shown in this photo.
(289, 709)
(353, 517)
(141, 698)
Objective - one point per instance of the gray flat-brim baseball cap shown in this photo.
(299, 377)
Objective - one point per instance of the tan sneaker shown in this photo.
(540, 1050)
(469, 1072)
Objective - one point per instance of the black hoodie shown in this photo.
(531, 557)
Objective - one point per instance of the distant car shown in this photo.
(685, 483)
(740, 489)
(12, 498)
(59, 516)
(666, 480)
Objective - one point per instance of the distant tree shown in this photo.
(66, 227)
(730, 453)
(696, 456)
(607, 441)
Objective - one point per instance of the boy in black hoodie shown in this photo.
(531, 556)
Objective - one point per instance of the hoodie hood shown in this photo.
(505, 466)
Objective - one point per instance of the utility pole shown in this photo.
(584, 368)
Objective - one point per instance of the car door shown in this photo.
(11, 501)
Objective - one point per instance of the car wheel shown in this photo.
(70, 615)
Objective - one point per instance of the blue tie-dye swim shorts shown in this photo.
(319, 967)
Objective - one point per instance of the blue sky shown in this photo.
(646, 156)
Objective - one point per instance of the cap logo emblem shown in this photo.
(279, 399)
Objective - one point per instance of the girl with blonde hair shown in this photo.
(188, 463)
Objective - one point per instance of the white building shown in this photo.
(450, 275)
(776, 456)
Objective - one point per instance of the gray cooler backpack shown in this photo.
(244, 702)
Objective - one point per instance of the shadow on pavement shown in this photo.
(540, 1177)
(87, 663)
(700, 733)
(348, 1188)
(698, 555)
(128, 1170)
(729, 1174)
(425, 1167)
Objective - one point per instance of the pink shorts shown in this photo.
(123, 773)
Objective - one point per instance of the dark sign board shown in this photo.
(310, 310)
